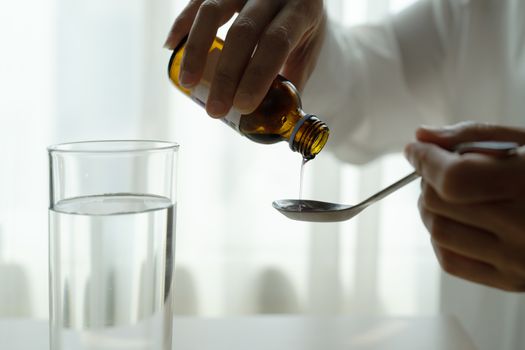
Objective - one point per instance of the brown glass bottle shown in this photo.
(278, 118)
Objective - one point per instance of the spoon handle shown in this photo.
(392, 188)
(498, 149)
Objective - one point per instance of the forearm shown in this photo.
(375, 84)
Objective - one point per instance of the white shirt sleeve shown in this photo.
(374, 84)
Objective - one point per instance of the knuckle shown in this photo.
(463, 127)
(448, 265)
(455, 180)
(192, 3)
(439, 231)
(210, 8)
(224, 79)
(511, 284)
(517, 265)
(458, 169)
(471, 129)
(245, 93)
(447, 260)
(518, 286)
(279, 37)
(429, 199)
(244, 28)
(254, 73)
(308, 9)
(191, 54)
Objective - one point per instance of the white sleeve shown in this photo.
(375, 84)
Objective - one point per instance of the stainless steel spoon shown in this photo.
(317, 211)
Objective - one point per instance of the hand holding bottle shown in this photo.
(473, 205)
(268, 37)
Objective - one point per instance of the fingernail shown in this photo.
(216, 108)
(432, 128)
(167, 44)
(187, 79)
(243, 102)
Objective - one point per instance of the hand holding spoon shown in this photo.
(317, 211)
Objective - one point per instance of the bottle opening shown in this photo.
(309, 136)
(319, 142)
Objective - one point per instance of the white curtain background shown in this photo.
(75, 70)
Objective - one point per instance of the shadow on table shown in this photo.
(14, 288)
(275, 293)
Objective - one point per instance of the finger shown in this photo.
(240, 43)
(470, 177)
(493, 217)
(210, 16)
(450, 136)
(279, 39)
(182, 25)
(473, 270)
(462, 239)
(301, 61)
(430, 161)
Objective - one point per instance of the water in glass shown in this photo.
(113, 253)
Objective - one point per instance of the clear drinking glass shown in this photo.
(112, 244)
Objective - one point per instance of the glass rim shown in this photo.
(128, 146)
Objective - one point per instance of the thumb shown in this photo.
(449, 136)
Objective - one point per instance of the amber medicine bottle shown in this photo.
(278, 118)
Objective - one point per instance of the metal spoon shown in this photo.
(317, 211)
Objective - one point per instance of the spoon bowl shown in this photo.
(317, 211)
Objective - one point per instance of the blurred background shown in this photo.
(74, 70)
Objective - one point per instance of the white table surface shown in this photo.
(280, 333)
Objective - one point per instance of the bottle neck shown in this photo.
(309, 136)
